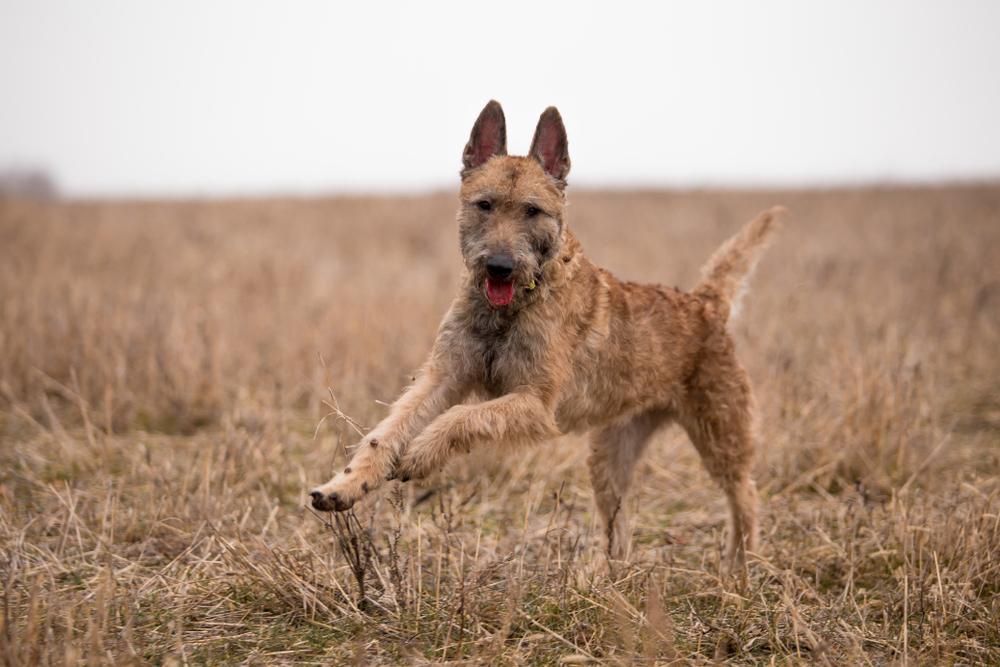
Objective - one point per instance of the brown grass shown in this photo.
(164, 367)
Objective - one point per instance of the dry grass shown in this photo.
(164, 366)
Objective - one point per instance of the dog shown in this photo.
(553, 344)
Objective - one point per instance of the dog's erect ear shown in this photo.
(550, 146)
(488, 138)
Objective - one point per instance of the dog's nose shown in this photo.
(500, 266)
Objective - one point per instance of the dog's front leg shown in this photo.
(377, 454)
(516, 418)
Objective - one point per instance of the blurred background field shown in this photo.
(227, 230)
(167, 370)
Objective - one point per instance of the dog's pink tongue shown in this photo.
(500, 293)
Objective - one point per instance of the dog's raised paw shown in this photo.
(330, 502)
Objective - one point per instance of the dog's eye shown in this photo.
(531, 211)
(484, 205)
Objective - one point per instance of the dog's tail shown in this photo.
(724, 276)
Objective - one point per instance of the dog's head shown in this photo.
(511, 217)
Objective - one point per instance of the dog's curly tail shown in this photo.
(724, 276)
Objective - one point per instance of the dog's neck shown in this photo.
(562, 268)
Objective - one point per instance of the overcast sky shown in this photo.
(301, 96)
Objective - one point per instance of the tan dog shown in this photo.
(554, 344)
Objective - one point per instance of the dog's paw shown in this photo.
(330, 502)
(408, 469)
(341, 492)
(423, 457)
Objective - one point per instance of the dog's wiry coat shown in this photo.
(574, 349)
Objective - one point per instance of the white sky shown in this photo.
(206, 97)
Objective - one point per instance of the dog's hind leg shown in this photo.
(614, 452)
(718, 417)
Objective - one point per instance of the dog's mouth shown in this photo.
(499, 292)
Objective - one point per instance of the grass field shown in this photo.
(174, 376)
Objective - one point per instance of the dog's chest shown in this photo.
(505, 359)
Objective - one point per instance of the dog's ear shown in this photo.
(488, 138)
(550, 146)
